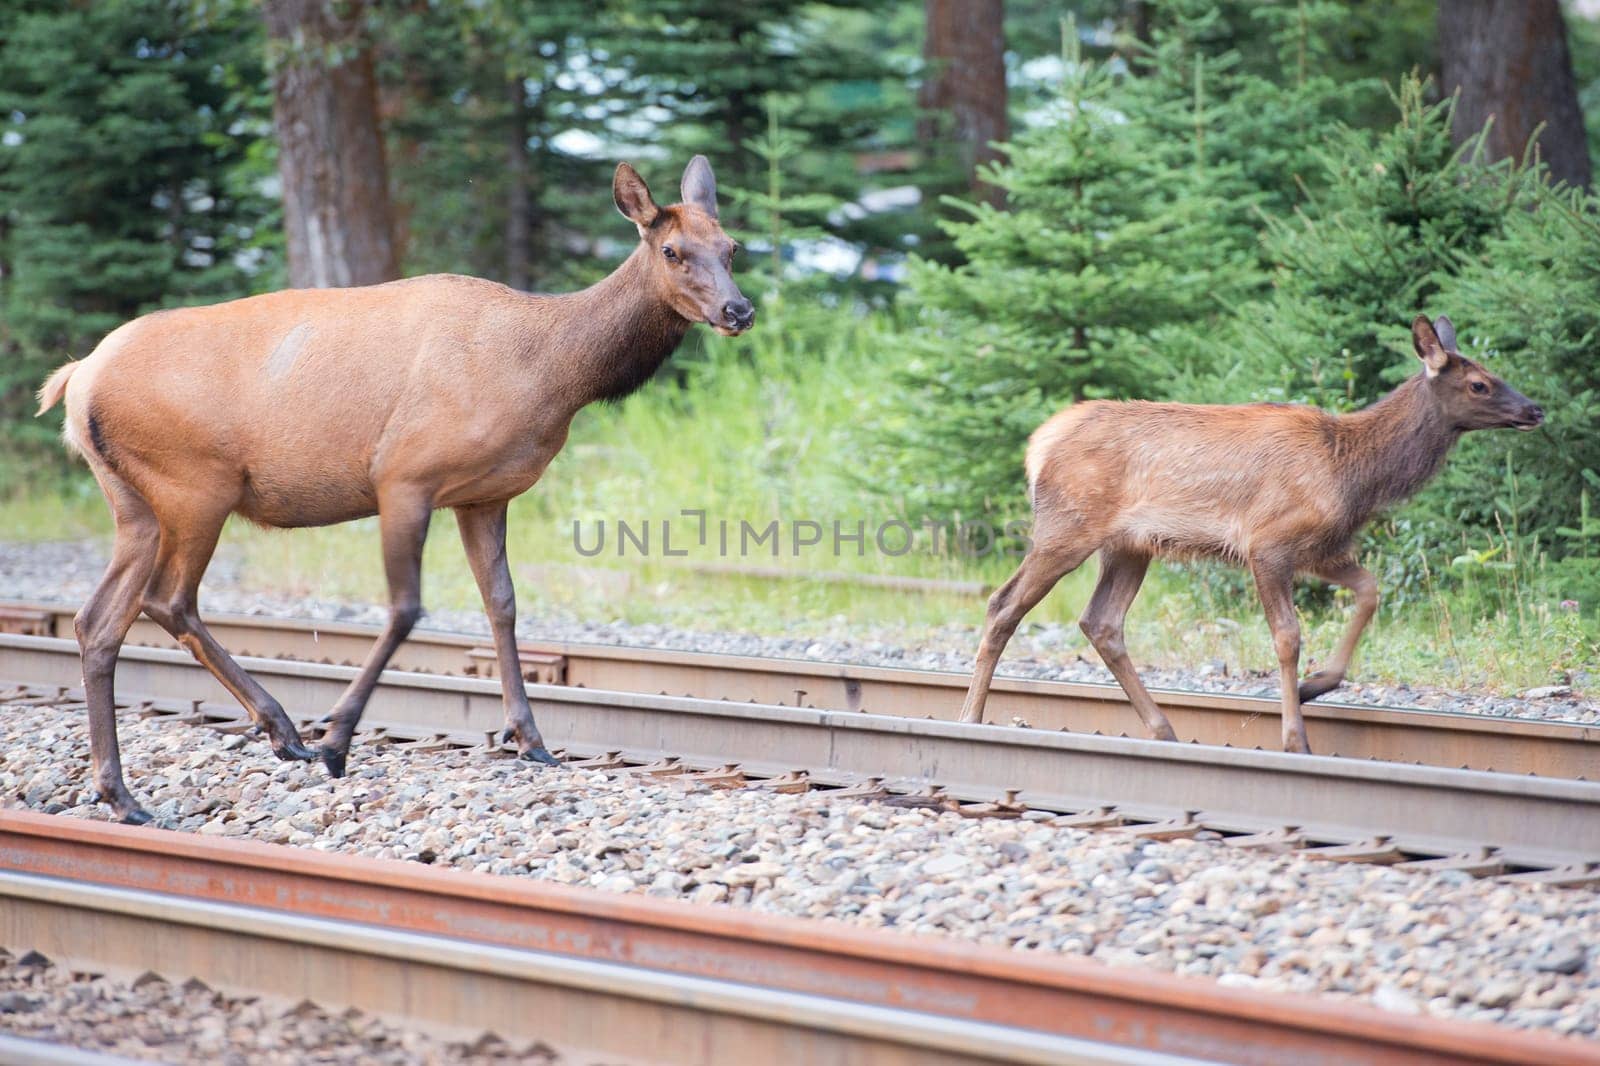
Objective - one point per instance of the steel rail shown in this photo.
(18, 1051)
(1433, 738)
(1535, 823)
(632, 975)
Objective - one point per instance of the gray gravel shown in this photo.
(66, 571)
(1412, 942)
(150, 1018)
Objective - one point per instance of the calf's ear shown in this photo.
(1425, 339)
(1447, 333)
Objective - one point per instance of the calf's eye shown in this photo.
(1479, 387)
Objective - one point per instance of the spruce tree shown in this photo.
(1391, 213)
(1527, 303)
(1106, 245)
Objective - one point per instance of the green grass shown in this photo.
(757, 436)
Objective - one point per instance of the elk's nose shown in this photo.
(738, 314)
(1535, 413)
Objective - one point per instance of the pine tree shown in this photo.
(484, 102)
(1107, 244)
(709, 67)
(123, 174)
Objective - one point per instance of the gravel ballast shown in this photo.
(151, 1018)
(1439, 943)
(66, 571)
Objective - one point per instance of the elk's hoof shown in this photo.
(293, 751)
(136, 816)
(539, 755)
(335, 761)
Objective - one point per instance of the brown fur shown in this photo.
(1281, 489)
(309, 407)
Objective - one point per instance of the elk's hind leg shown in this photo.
(1121, 575)
(1350, 574)
(1041, 568)
(190, 527)
(101, 626)
(483, 534)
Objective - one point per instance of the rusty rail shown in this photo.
(673, 981)
(1432, 738)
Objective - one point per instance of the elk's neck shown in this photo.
(616, 333)
(1390, 450)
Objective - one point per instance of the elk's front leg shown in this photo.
(483, 534)
(403, 525)
(1275, 586)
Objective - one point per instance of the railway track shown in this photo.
(620, 975)
(461, 951)
(1489, 824)
(1433, 738)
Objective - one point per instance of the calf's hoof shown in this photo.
(539, 755)
(334, 759)
(1319, 684)
(136, 816)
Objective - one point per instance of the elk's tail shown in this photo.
(50, 393)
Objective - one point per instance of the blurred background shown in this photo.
(957, 215)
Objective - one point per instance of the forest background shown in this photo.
(957, 216)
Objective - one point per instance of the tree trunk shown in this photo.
(964, 86)
(519, 218)
(1509, 60)
(340, 227)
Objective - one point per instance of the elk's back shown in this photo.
(299, 399)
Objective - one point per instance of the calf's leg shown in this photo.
(101, 626)
(1275, 586)
(403, 527)
(1348, 573)
(1121, 574)
(1041, 568)
(483, 534)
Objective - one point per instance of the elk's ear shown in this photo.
(1447, 333)
(700, 185)
(1429, 350)
(632, 196)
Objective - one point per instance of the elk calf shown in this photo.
(310, 407)
(1279, 488)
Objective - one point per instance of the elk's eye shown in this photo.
(1479, 387)
(671, 254)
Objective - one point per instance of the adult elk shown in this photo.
(309, 407)
(1279, 488)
